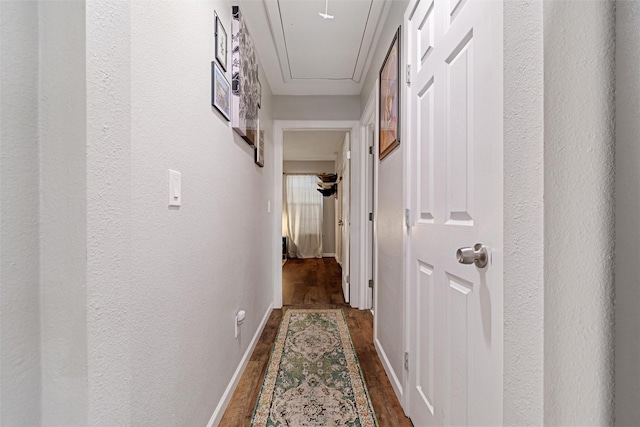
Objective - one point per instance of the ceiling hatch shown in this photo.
(311, 49)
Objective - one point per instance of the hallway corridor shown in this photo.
(315, 283)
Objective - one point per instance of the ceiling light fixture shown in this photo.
(326, 9)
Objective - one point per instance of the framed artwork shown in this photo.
(389, 108)
(244, 81)
(259, 94)
(259, 147)
(221, 43)
(220, 91)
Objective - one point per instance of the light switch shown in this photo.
(175, 190)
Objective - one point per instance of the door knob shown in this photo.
(478, 255)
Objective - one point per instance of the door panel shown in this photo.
(454, 137)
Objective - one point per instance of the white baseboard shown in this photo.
(226, 396)
(395, 382)
(329, 255)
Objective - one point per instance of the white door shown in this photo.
(454, 134)
(345, 200)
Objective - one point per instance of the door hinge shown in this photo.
(406, 360)
(408, 74)
(348, 279)
(407, 217)
(371, 283)
(349, 155)
(371, 150)
(370, 216)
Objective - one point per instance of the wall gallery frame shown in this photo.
(220, 91)
(221, 43)
(389, 107)
(245, 86)
(259, 148)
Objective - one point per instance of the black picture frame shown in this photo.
(220, 91)
(259, 147)
(389, 102)
(221, 43)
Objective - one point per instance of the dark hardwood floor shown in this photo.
(316, 283)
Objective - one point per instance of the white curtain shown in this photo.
(302, 216)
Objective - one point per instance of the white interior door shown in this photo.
(346, 216)
(454, 126)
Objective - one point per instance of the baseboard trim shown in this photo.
(395, 382)
(226, 396)
(329, 255)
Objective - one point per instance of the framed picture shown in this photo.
(221, 43)
(389, 107)
(244, 82)
(259, 147)
(220, 91)
(259, 94)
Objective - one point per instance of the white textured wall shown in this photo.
(328, 203)
(389, 294)
(164, 284)
(316, 107)
(627, 273)
(20, 373)
(196, 266)
(578, 223)
(63, 208)
(109, 303)
(523, 214)
(390, 218)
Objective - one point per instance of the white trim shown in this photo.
(357, 216)
(368, 118)
(395, 382)
(231, 387)
(329, 255)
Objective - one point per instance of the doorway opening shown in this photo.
(347, 159)
(315, 217)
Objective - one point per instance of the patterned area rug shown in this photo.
(313, 377)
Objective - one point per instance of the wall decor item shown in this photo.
(389, 136)
(245, 88)
(220, 91)
(221, 43)
(259, 150)
(259, 94)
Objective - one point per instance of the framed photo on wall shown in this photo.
(220, 91)
(259, 147)
(221, 43)
(389, 107)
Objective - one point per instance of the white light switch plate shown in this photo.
(175, 188)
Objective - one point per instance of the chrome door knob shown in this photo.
(478, 255)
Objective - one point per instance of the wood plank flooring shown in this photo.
(316, 283)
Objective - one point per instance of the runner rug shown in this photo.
(313, 377)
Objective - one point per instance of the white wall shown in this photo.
(63, 233)
(20, 373)
(523, 214)
(328, 203)
(195, 266)
(627, 272)
(316, 107)
(578, 221)
(389, 309)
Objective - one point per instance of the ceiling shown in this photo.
(312, 145)
(303, 54)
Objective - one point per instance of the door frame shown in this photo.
(357, 207)
(370, 171)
